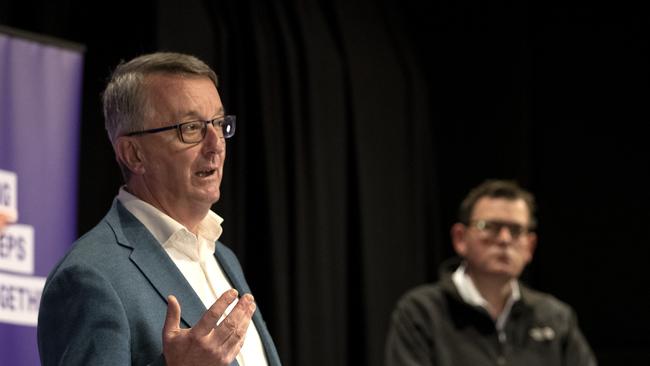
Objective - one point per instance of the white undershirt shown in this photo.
(470, 294)
(194, 257)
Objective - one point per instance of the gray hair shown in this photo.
(124, 98)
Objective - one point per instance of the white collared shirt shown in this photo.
(194, 257)
(470, 294)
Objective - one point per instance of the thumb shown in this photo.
(173, 317)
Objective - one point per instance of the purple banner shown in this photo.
(40, 94)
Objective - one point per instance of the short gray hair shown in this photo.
(124, 99)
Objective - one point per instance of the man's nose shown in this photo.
(504, 235)
(214, 137)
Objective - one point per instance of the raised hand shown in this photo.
(207, 343)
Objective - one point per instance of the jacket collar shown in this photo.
(154, 263)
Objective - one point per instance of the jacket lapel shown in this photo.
(236, 277)
(149, 256)
(151, 259)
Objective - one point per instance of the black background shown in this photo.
(361, 125)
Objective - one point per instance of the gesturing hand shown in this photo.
(207, 343)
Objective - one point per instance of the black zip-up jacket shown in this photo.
(433, 326)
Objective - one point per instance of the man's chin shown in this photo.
(213, 197)
(208, 198)
(505, 273)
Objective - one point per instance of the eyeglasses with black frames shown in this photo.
(491, 229)
(193, 132)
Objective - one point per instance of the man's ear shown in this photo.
(129, 154)
(458, 232)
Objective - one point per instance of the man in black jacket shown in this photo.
(479, 313)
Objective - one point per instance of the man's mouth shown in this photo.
(205, 173)
(503, 257)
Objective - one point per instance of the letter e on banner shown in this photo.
(17, 249)
(20, 297)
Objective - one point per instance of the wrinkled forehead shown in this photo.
(180, 97)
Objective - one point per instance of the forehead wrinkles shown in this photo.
(177, 98)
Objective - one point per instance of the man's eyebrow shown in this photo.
(196, 116)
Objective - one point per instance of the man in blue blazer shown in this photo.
(151, 284)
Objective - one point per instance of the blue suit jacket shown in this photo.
(105, 302)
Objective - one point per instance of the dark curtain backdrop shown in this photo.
(362, 124)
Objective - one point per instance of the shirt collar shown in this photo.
(470, 294)
(163, 227)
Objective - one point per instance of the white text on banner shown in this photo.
(20, 297)
(8, 195)
(17, 249)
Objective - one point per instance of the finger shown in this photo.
(173, 317)
(243, 309)
(240, 312)
(234, 327)
(210, 317)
